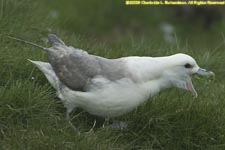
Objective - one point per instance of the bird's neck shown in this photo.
(149, 72)
(155, 86)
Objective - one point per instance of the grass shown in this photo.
(31, 117)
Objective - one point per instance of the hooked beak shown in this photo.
(205, 72)
(187, 84)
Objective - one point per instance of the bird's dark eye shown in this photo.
(187, 65)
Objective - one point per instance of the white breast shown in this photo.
(112, 98)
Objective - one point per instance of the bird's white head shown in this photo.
(179, 69)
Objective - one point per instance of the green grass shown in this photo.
(31, 117)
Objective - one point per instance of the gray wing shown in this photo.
(76, 68)
(53, 39)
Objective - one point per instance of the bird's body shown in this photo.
(109, 98)
(112, 87)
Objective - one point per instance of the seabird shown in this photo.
(112, 87)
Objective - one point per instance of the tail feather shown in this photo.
(48, 71)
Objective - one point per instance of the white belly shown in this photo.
(109, 100)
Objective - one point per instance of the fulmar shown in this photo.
(112, 87)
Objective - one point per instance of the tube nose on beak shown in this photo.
(205, 72)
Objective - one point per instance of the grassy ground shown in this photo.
(31, 117)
